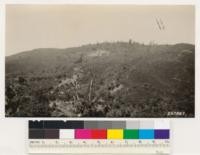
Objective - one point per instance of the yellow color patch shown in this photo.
(114, 134)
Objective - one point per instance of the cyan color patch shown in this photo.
(146, 134)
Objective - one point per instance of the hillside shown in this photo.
(102, 80)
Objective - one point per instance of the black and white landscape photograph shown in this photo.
(133, 61)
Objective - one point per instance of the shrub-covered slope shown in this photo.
(102, 80)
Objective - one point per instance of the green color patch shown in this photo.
(131, 134)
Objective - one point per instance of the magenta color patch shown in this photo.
(83, 134)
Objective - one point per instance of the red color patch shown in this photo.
(99, 134)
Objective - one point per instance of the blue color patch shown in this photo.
(146, 134)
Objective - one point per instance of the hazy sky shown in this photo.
(62, 26)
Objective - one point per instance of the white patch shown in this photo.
(116, 89)
(99, 53)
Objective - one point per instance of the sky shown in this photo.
(61, 26)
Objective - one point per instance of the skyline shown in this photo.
(62, 26)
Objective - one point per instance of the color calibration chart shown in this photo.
(97, 137)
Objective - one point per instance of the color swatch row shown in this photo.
(53, 129)
(98, 134)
